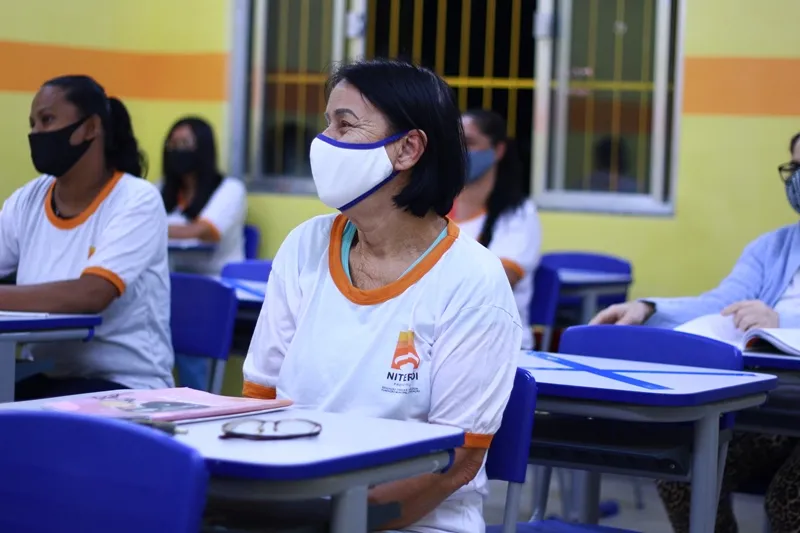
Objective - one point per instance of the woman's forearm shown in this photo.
(420, 495)
(88, 294)
(194, 230)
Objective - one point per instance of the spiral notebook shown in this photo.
(168, 405)
(783, 341)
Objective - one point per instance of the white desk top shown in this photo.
(246, 291)
(342, 436)
(616, 380)
(347, 442)
(570, 276)
(772, 361)
(189, 245)
(12, 322)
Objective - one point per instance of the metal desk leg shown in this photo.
(588, 306)
(350, 511)
(8, 354)
(586, 496)
(704, 475)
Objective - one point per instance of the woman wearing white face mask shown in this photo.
(493, 210)
(385, 310)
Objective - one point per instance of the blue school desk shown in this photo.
(249, 293)
(351, 454)
(779, 415)
(647, 392)
(188, 248)
(36, 327)
(589, 286)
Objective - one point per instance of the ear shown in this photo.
(409, 150)
(500, 151)
(92, 128)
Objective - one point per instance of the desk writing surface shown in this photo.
(569, 276)
(14, 323)
(775, 361)
(246, 291)
(347, 442)
(190, 245)
(621, 381)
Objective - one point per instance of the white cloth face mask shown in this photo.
(346, 173)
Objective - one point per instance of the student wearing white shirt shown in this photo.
(386, 309)
(89, 236)
(762, 291)
(494, 210)
(201, 204)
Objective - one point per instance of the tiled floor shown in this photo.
(651, 519)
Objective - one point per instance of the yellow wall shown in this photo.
(735, 127)
(163, 58)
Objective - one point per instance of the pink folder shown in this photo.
(168, 405)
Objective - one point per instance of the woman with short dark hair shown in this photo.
(385, 310)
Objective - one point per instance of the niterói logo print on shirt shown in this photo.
(402, 374)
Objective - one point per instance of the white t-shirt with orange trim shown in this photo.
(438, 345)
(121, 237)
(225, 214)
(516, 240)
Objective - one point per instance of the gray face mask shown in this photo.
(478, 163)
(793, 190)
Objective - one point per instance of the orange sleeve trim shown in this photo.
(107, 275)
(477, 440)
(254, 390)
(216, 236)
(514, 267)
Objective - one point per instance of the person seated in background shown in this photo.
(762, 291)
(89, 236)
(200, 202)
(386, 310)
(611, 162)
(494, 210)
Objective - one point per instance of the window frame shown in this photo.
(549, 142)
(246, 132)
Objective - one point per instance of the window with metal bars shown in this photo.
(604, 140)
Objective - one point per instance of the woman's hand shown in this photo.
(627, 314)
(749, 314)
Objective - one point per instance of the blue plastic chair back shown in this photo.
(589, 261)
(251, 270)
(507, 458)
(203, 314)
(252, 241)
(79, 474)
(544, 303)
(652, 345)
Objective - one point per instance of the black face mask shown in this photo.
(52, 153)
(180, 162)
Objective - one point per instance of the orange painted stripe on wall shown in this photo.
(166, 76)
(742, 86)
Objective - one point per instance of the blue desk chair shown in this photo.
(563, 439)
(79, 474)
(544, 304)
(203, 313)
(507, 460)
(250, 270)
(589, 261)
(252, 241)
